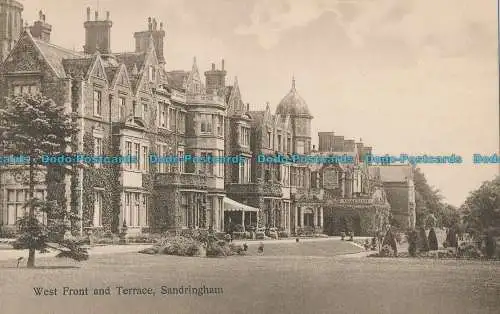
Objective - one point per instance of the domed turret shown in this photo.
(293, 104)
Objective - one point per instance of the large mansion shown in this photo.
(128, 103)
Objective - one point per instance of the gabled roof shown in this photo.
(54, 55)
(78, 67)
(134, 62)
(235, 104)
(194, 83)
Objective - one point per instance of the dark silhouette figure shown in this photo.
(245, 247)
(19, 260)
(297, 240)
(260, 249)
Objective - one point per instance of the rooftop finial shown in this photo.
(293, 81)
(40, 15)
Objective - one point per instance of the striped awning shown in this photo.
(232, 206)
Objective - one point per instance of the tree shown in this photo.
(429, 203)
(451, 237)
(423, 243)
(34, 126)
(390, 240)
(482, 208)
(433, 242)
(412, 242)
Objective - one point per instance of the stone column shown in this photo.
(243, 219)
(296, 216)
(321, 217)
(301, 218)
(342, 184)
(315, 216)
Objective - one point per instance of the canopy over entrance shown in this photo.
(232, 206)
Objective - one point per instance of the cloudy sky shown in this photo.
(406, 76)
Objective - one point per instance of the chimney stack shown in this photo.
(215, 80)
(142, 39)
(97, 34)
(40, 28)
(248, 107)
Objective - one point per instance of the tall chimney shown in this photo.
(142, 39)
(41, 29)
(222, 65)
(97, 34)
(213, 66)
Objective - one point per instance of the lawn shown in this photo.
(306, 277)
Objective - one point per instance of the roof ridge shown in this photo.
(39, 41)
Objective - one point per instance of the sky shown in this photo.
(405, 76)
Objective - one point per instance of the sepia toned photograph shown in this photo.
(251, 156)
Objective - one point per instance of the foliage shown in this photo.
(283, 234)
(222, 249)
(239, 235)
(433, 242)
(390, 240)
(412, 243)
(490, 245)
(37, 236)
(482, 208)
(179, 245)
(423, 243)
(468, 250)
(451, 238)
(387, 251)
(33, 126)
(430, 221)
(429, 203)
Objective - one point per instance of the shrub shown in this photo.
(283, 234)
(6, 233)
(490, 246)
(387, 251)
(223, 249)
(238, 228)
(468, 250)
(451, 238)
(179, 245)
(273, 234)
(389, 240)
(433, 242)
(239, 235)
(220, 235)
(260, 235)
(412, 243)
(342, 236)
(423, 243)
(218, 249)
